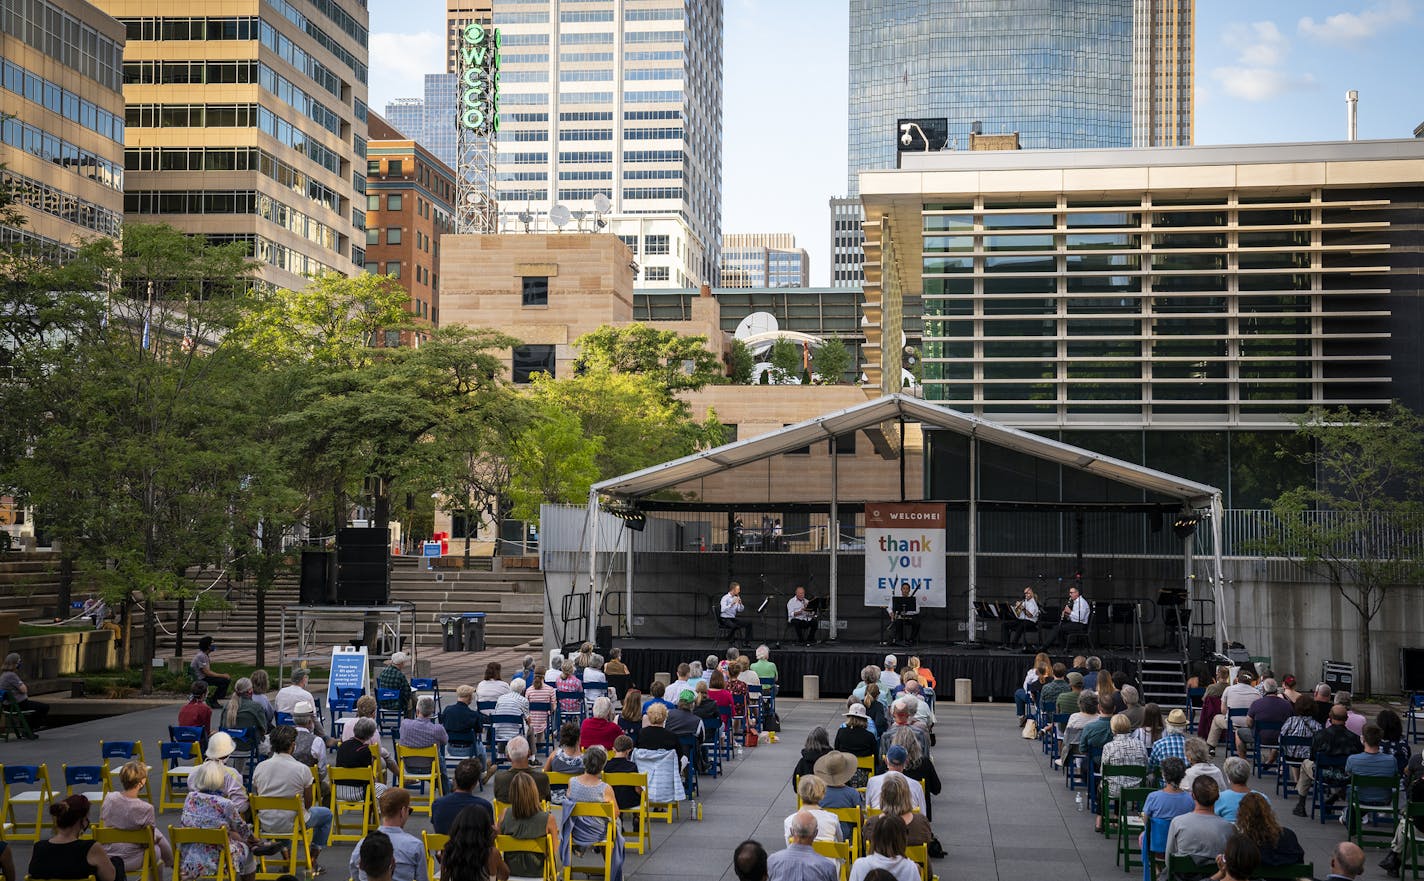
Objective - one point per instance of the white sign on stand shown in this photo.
(904, 547)
(348, 670)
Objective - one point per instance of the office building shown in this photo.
(409, 207)
(407, 116)
(1183, 304)
(62, 127)
(430, 120)
(619, 99)
(249, 125)
(458, 15)
(764, 261)
(847, 243)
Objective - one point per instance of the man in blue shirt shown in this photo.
(409, 850)
(1372, 763)
(447, 807)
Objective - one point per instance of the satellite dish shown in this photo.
(756, 323)
(601, 203)
(472, 198)
(526, 217)
(559, 216)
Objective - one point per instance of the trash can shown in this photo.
(453, 632)
(474, 631)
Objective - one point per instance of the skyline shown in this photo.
(1276, 75)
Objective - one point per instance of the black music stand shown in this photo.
(906, 611)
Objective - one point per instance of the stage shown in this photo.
(996, 672)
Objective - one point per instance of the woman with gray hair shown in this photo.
(600, 729)
(1132, 704)
(207, 808)
(918, 765)
(511, 703)
(358, 751)
(10, 681)
(244, 712)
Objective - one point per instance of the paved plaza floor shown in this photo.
(1003, 813)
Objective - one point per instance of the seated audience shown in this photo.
(196, 713)
(125, 809)
(655, 735)
(1373, 762)
(470, 851)
(799, 861)
(656, 693)
(567, 759)
(1347, 862)
(1123, 749)
(749, 861)
(1333, 740)
(615, 665)
(375, 858)
(1392, 739)
(261, 684)
(855, 738)
(282, 776)
(811, 789)
(1353, 720)
(65, 854)
(1150, 729)
(919, 768)
(468, 775)
(1270, 708)
(539, 692)
(526, 820)
(357, 751)
(885, 849)
(205, 807)
(1239, 696)
(245, 713)
(511, 703)
(1165, 805)
(570, 689)
(1200, 834)
(717, 690)
(493, 686)
(589, 787)
(1323, 703)
(463, 724)
(526, 672)
(1277, 844)
(681, 720)
(1132, 706)
(1302, 724)
(289, 695)
(817, 744)
(517, 750)
(599, 729)
(896, 805)
(392, 677)
(220, 747)
(1238, 778)
(630, 719)
(620, 762)
(835, 770)
(408, 850)
(763, 667)
(1238, 860)
(1199, 764)
(895, 759)
(420, 732)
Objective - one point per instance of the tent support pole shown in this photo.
(902, 458)
(627, 584)
(1218, 586)
(592, 566)
(973, 624)
(835, 540)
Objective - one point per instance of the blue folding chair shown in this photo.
(388, 717)
(1258, 733)
(1416, 717)
(423, 686)
(1284, 765)
(546, 743)
(285, 718)
(711, 746)
(244, 758)
(570, 714)
(1195, 696)
(496, 744)
(688, 744)
(1320, 793)
(186, 734)
(728, 745)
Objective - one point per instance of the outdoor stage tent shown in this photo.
(877, 418)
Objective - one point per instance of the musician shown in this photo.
(1075, 617)
(1025, 618)
(800, 617)
(727, 612)
(907, 621)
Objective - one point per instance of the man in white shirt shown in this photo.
(1025, 619)
(284, 776)
(889, 677)
(906, 623)
(676, 687)
(727, 612)
(798, 615)
(1078, 612)
(1238, 696)
(895, 759)
(287, 699)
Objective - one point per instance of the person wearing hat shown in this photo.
(220, 746)
(202, 669)
(392, 676)
(855, 738)
(1068, 701)
(1172, 743)
(196, 713)
(310, 748)
(837, 770)
(895, 759)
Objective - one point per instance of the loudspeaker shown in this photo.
(316, 578)
(604, 639)
(363, 573)
(1411, 669)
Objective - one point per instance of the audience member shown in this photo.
(1109, 697)
(717, 690)
(463, 724)
(1150, 728)
(543, 694)
(1323, 703)
(619, 762)
(1240, 696)
(1392, 739)
(196, 713)
(1132, 706)
(1353, 721)
(1238, 860)
(310, 748)
(885, 849)
(763, 666)
(657, 695)
(282, 776)
(589, 787)
(1372, 762)
(599, 729)
(1122, 750)
(125, 809)
(1333, 740)
(1272, 709)
(1098, 731)
(1277, 844)
(206, 807)
(526, 672)
(818, 743)
(220, 746)
(902, 712)
(261, 684)
(1172, 743)
(1068, 700)
(296, 690)
(677, 686)
(1238, 777)
(566, 759)
(517, 751)
(493, 686)
(511, 703)
(1200, 834)
(470, 852)
(201, 668)
(1302, 724)
(855, 738)
(360, 750)
(1048, 696)
(749, 861)
(896, 805)
(526, 820)
(655, 735)
(1165, 805)
(408, 852)
(799, 861)
(446, 808)
(245, 713)
(392, 677)
(681, 721)
(65, 854)
(1347, 862)
(375, 857)
(420, 732)
(570, 689)
(810, 790)
(1090, 678)
(1199, 764)
(895, 759)
(1288, 689)
(615, 665)
(835, 770)
(630, 719)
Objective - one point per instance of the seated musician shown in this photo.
(1075, 617)
(800, 616)
(907, 621)
(1025, 619)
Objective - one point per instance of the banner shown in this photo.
(348, 670)
(904, 546)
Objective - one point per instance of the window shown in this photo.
(844, 444)
(373, 203)
(393, 269)
(393, 202)
(395, 168)
(657, 245)
(656, 273)
(373, 267)
(393, 235)
(392, 339)
(536, 290)
(373, 236)
(529, 360)
(373, 167)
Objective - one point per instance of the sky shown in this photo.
(1268, 71)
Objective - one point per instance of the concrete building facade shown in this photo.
(409, 207)
(247, 123)
(62, 133)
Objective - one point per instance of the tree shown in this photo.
(740, 364)
(832, 360)
(554, 462)
(679, 363)
(1359, 524)
(332, 322)
(786, 362)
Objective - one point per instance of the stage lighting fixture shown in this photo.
(1185, 525)
(631, 516)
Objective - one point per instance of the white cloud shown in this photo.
(1259, 83)
(1352, 27)
(403, 60)
(1258, 44)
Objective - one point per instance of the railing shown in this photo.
(1245, 531)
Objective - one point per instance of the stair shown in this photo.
(29, 584)
(1163, 682)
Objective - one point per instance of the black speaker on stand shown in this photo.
(363, 568)
(316, 578)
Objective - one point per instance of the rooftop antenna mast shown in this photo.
(476, 128)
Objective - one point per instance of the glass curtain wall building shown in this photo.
(615, 97)
(751, 260)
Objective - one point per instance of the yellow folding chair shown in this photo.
(854, 817)
(543, 847)
(840, 851)
(38, 795)
(641, 840)
(365, 806)
(434, 846)
(428, 780)
(866, 764)
(183, 836)
(920, 855)
(179, 759)
(298, 839)
(144, 839)
(499, 808)
(117, 752)
(608, 812)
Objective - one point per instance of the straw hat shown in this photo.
(1177, 718)
(835, 767)
(856, 711)
(220, 746)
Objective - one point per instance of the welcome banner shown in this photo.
(904, 545)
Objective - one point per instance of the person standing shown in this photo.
(728, 609)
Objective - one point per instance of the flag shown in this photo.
(145, 333)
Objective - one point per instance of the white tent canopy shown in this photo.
(870, 416)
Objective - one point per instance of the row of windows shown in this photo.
(652, 114)
(305, 104)
(652, 134)
(651, 97)
(267, 251)
(525, 58)
(65, 39)
(204, 28)
(58, 203)
(573, 16)
(664, 14)
(1218, 216)
(578, 57)
(51, 148)
(293, 54)
(526, 39)
(325, 40)
(653, 73)
(653, 174)
(40, 246)
(655, 37)
(231, 159)
(232, 116)
(231, 202)
(653, 193)
(62, 101)
(343, 19)
(576, 75)
(188, 72)
(580, 39)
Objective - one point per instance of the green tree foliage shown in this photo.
(554, 461)
(1360, 525)
(832, 361)
(740, 364)
(786, 362)
(678, 363)
(333, 322)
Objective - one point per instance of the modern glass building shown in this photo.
(615, 97)
(430, 121)
(751, 260)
